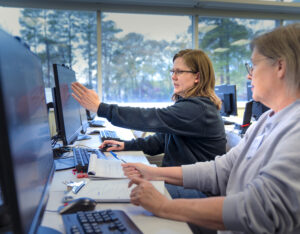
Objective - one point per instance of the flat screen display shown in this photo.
(227, 93)
(67, 108)
(26, 154)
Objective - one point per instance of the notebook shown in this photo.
(105, 169)
(110, 190)
(108, 169)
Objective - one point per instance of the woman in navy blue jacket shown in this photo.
(189, 131)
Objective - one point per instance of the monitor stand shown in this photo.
(82, 137)
(64, 163)
(47, 230)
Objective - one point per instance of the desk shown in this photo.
(145, 220)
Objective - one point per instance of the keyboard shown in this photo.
(101, 221)
(108, 135)
(97, 123)
(227, 122)
(82, 158)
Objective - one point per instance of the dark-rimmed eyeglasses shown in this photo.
(249, 68)
(179, 72)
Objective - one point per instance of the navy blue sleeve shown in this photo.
(185, 117)
(151, 145)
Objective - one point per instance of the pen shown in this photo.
(116, 156)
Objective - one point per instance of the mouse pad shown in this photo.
(64, 163)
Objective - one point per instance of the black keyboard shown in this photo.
(227, 122)
(97, 123)
(101, 221)
(108, 135)
(82, 158)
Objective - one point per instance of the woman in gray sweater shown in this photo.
(256, 184)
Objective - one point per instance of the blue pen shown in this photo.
(116, 156)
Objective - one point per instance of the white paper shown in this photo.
(105, 169)
(111, 190)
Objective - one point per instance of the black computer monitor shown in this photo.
(1, 199)
(227, 93)
(90, 115)
(257, 108)
(84, 120)
(249, 91)
(84, 125)
(26, 158)
(67, 109)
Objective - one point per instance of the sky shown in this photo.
(9, 20)
(156, 27)
(153, 27)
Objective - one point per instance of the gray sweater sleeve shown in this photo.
(263, 192)
(211, 176)
(271, 202)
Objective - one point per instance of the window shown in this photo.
(226, 41)
(137, 49)
(137, 52)
(62, 37)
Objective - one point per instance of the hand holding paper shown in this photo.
(141, 170)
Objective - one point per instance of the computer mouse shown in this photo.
(104, 149)
(80, 204)
(94, 132)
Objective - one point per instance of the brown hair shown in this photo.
(283, 43)
(200, 63)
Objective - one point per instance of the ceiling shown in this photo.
(204, 7)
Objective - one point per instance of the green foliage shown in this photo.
(227, 46)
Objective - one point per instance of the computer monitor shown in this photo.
(257, 108)
(227, 93)
(249, 91)
(84, 125)
(1, 199)
(26, 158)
(90, 115)
(84, 120)
(67, 109)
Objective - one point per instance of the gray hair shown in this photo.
(283, 43)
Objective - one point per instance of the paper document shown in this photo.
(105, 169)
(111, 190)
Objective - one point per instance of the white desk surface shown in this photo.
(146, 221)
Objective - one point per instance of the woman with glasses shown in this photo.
(256, 184)
(191, 130)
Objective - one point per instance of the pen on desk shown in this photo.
(116, 156)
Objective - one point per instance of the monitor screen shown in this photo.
(26, 161)
(90, 115)
(249, 91)
(227, 93)
(1, 199)
(67, 109)
(84, 120)
(257, 108)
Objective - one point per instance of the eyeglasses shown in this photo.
(249, 68)
(179, 72)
